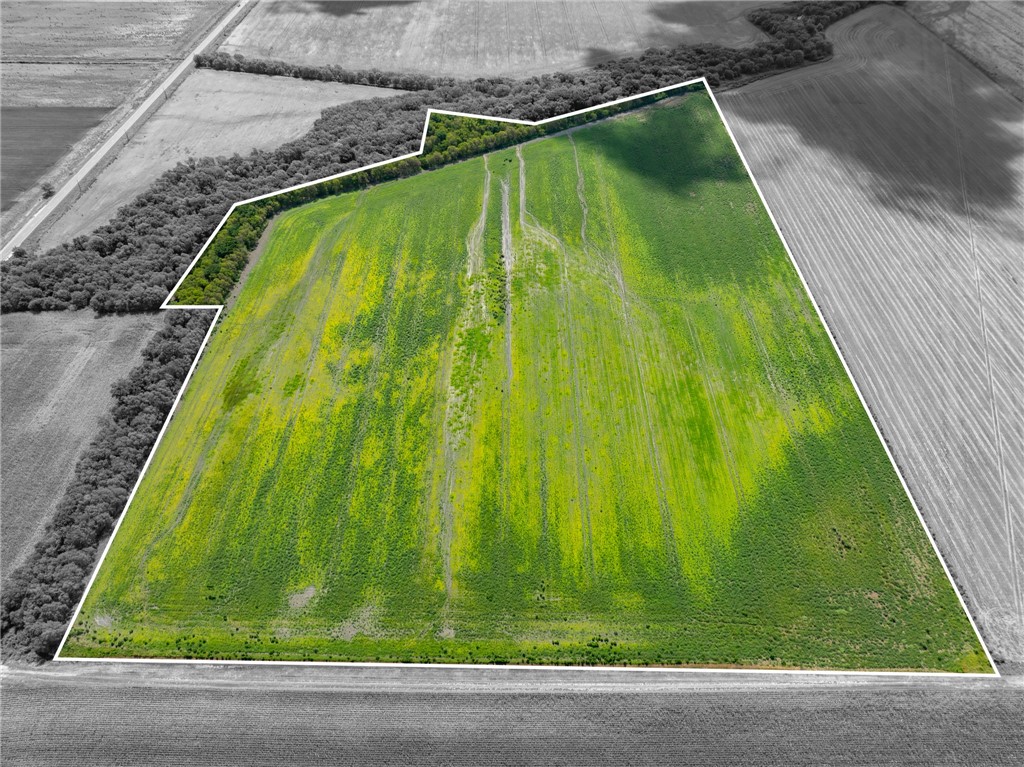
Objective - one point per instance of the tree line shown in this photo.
(227, 62)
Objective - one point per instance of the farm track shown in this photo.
(91, 714)
(894, 171)
(453, 421)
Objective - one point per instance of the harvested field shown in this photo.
(477, 39)
(247, 716)
(70, 85)
(405, 440)
(895, 173)
(88, 54)
(67, 30)
(31, 136)
(211, 113)
(56, 370)
(991, 34)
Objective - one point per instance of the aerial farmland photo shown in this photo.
(511, 382)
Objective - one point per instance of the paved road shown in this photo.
(118, 136)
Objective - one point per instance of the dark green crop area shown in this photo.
(566, 403)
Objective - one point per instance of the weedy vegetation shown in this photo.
(564, 403)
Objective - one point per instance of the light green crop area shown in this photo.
(565, 403)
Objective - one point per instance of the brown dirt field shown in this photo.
(224, 715)
(211, 113)
(991, 34)
(483, 38)
(56, 370)
(895, 173)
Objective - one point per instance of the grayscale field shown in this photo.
(894, 171)
(86, 65)
(210, 114)
(481, 38)
(988, 32)
(56, 370)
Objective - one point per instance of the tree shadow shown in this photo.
(338, 8)
(595, 56)
(704, 23)
(920, 127)
(676, 150)
(691, 23)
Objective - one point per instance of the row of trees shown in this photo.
(331, 73)
(450, 139)
(40, 596)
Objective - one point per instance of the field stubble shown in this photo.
(484, 38)
(991, 34)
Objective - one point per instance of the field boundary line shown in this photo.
(856, 388)
(142, 474)
(552, 667)
(694, 669)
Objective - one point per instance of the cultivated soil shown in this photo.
(991, 34)
(478, 39)
(895, 171)
(56, 370)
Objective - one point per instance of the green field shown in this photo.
(565, 403)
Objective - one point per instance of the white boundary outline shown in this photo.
(691, 669)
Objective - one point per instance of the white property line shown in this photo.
(686, 669)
